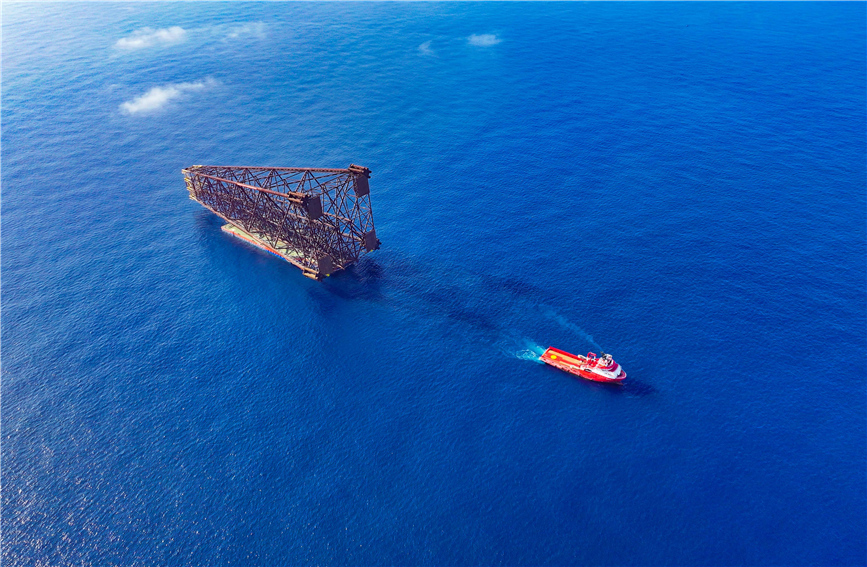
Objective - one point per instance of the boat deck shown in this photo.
(555, 354)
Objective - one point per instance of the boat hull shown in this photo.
(579, 366)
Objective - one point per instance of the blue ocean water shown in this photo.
(680, 184)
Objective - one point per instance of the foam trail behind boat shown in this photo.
(523, 349)
(529, 354)
(566, 324)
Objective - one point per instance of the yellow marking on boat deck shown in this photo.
(568, 359)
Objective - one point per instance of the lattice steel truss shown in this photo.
(318, 219)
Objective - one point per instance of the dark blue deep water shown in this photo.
(681, 184)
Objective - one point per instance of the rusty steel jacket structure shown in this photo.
(320, 220)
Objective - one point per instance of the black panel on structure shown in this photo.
(362, 187)
(371, 242)
(326, 265)
(314, 207)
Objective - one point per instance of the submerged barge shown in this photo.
(319, 220)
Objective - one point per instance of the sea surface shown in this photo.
(679, 184)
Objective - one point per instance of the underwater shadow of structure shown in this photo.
(406, 283)
(362, 280)
(448, 302)
(515, 287)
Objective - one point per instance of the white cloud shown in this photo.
(484, 40)
(252, 29)
(158, 97)
(147, 37)
(425, 49)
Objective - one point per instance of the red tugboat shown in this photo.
(602, 369)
